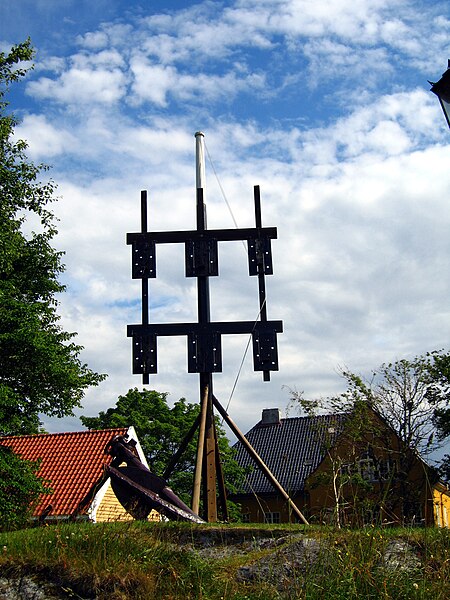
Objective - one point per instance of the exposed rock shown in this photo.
(27, 588)
(219, 544)
(280, 567)
(400, 555)
(33, 587)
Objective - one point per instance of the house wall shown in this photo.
(110, 509)
(404, 498)
(441, 505)
(268, 508)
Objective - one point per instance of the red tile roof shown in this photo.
(72, 462)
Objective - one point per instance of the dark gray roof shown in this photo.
(292, 449)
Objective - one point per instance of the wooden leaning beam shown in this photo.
(258, 460)
(200, 450)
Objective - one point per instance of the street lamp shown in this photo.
(442, 91)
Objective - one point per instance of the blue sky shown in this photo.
(324, 104)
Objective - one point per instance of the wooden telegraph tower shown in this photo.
(204, 337)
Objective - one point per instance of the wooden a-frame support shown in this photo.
(213, 471)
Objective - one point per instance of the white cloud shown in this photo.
(89, 79)
(94, 40)
(44, 139)
(352, 163)
(154, 83)
(356, 19)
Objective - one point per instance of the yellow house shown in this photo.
(73, 464)
(441, 504)
(342, 469)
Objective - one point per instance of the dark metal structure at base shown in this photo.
(139, 490)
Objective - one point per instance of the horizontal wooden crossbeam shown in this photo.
(221, 235)
(220, 327)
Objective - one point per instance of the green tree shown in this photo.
(407, 395)
(40, 370)
(438, 393)
(351, 445)
(20, 489)
(399, 393)
(161, 429)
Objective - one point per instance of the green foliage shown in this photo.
(394, 400)
(161, 429)
(20, 488)
(444, 469)
(438, 392)
(413, 396)
(40, 371)
(398, 392)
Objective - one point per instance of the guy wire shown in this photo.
(259, 313)
(222, 190)
(242, 361)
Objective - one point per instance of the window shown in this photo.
(386, 469)
(370, 468)
(373, 469)
(272, 517)
(366, 468)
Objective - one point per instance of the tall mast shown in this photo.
(206, 464)
(200, 160)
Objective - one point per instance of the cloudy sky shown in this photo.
(323, 103)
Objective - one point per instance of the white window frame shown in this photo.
(272, 517)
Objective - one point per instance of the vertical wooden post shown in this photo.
(221, 482)
(200, 449)
(145, 303)
(207, 446)
(209, 483)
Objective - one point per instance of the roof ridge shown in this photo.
(335, 414)
(62, 433)
(301, 417)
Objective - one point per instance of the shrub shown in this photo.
(20, 488)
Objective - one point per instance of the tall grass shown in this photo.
(169, 561)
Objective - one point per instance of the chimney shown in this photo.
(271, 416)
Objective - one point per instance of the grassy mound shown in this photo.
(228, 562)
